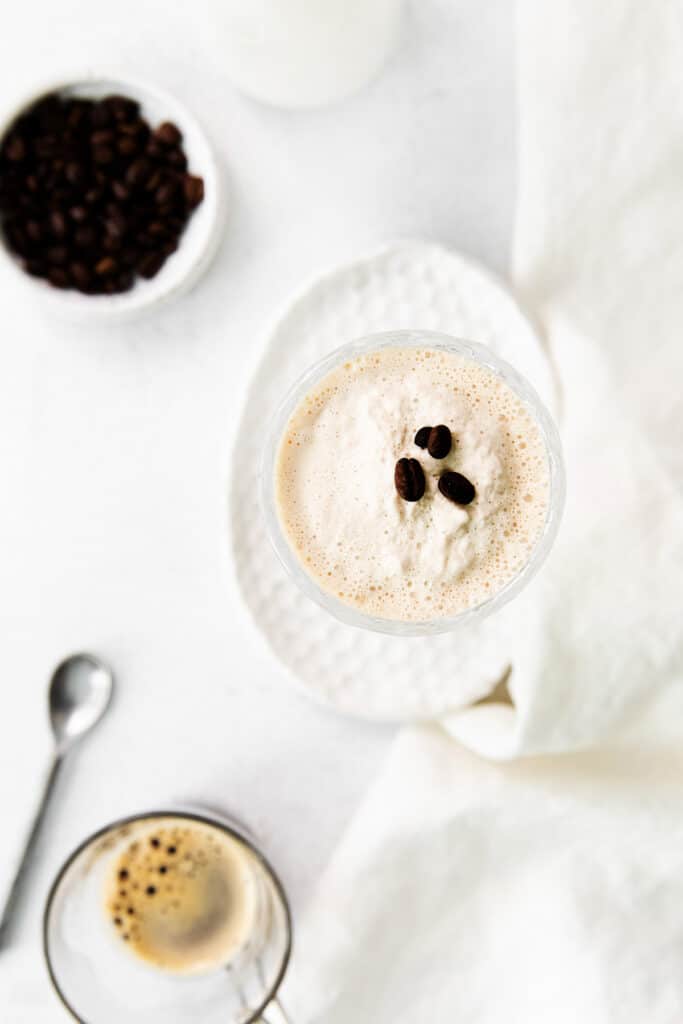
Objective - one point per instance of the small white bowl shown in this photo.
(199, 241)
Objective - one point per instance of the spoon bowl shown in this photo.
(80, 691)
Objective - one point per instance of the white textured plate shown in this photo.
(405, 285)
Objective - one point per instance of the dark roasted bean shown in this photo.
(102, 137)
(57, 254)
(150, 264)
(78, 213)
(102, 154)
(439, 443)
(127, 146)
(58, 277)
(106, 267)
(457, 488)
(409, 479)
(58, 224)
(422, 437)
(168, 134)
(120, 190)
(138, 172)
(193, 188)
(74, 172)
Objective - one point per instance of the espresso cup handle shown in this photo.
(274, 1013)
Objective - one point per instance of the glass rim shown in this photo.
(434, 340)
(204, 819)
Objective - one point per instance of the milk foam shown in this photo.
(339, 509)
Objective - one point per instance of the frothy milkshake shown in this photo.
(412, 483)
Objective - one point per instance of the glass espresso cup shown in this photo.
(169, 916)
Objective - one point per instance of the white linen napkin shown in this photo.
(548, 890)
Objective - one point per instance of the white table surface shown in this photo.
(115, 442)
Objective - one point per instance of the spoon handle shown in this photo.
(14, 894)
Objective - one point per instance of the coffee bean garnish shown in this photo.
(409, 479)
(457, 488)
(422, 437)
(92, 176)
(439, 442)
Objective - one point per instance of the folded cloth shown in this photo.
(548, 890)
(543, 891)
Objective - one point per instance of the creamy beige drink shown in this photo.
(181, 896)
(412, 483)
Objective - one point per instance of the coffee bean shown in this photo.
(127, 146)
(154, 181)
(58, 277)
(136, 129)
(168, 134)
(80, 274)
(120, 190)
(34, 230)
(15, 150)
(103, 154)
(57, 254)
(439, 443)
(111, 244)
(150, 264)
(176, 159)
(154, 149)
(36, 268)
(102, 137)
(409, 479)
(18, 239)
(100, 116)
(78, 213)
(85, 236)
(92, 196)
(58, 224)
(79, 113)
(105, 267)
(125, 281)
(122, 108)
(422, 437)
(193, 188)
(138, 172)
(74, 172)
(115, 225)
(165, 193)
(457, 488)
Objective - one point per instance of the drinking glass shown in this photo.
(473, 352)
(100, 981)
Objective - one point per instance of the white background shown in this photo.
(115, 443)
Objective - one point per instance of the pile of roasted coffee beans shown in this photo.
(90, 195)
(409, 478)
